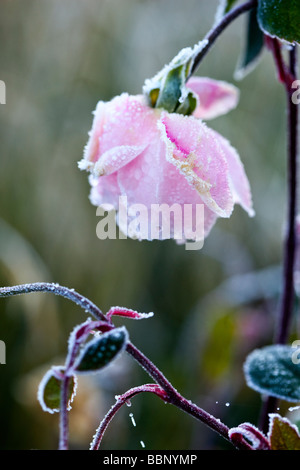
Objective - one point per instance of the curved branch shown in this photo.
(217, 30)
(56, 289)
(171, 395)
(121, 400)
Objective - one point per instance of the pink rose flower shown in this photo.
(155, 157)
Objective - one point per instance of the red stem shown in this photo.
(172, 396)
(286, 75)
(121, 400)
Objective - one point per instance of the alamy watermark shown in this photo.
(2, 352)
(2, 92)
(183, 222)
(296, 354)
(296, 94)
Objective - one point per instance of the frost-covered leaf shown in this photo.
(280, 18)
(170, 92)
(189, 105)
(283, 435)
(252, 434)
(50, 388)
(253, 47)
(81, 332)
(167, 89)
(100, 351)
(271, 371)
(128, 313)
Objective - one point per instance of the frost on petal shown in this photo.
(91, 149)
(195, 151)
(215, 97)
(125, 121)
(237, 176)
(116, 158)
(105, 191)
(150, 180)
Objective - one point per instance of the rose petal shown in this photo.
(237, 177)
(150, 179)
(126, 122)
(116, 158)
(105, 191)
(215, 97)
(195, 151)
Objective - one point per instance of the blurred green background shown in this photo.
(212, 306)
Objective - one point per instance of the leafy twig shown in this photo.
(215, 32)
(56, 289)
(172, 396)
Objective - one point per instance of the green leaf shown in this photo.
(280, 18)
(188, 106)
(49, 391)
(272, 371)
(226, 5)
(283, 435)
(100, 351)
(167, 89)
(171, 87)
(253, 47)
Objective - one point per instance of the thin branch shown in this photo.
(64, 415)
(56, 289)
(217, 30)
(121, 400)
(172, 396)
(286, 76)
(288, 297)
(149, 367)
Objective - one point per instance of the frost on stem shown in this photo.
(127, 313)
(120, 401)
(252, 434)
(167, 89)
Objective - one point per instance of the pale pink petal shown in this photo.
(239, 182)
(105, 191)
(116, 158)
(127, 122)
(151, 180)
(91, 151)
(195, 151)
(165, 167)
(215, 97)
